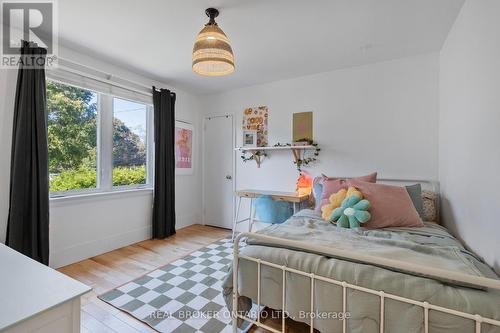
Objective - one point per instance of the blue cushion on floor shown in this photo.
(270, 211)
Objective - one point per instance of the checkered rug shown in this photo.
(184, 296)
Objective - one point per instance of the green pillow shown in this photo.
(415, 192)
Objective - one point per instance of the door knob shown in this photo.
(229, 177)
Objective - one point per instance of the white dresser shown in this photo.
(36, 298)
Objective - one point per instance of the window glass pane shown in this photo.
(72, 137)
(129, 142)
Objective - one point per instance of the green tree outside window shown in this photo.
(72, 142)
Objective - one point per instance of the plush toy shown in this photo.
(353, 191)
(336, 200)
(351, 212)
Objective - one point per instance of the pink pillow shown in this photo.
(391, 206)
(371, 178)
(333, 185)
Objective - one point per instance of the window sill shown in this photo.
(94, 196)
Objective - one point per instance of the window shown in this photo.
(129, 142)
(97, 142)
(72, 137)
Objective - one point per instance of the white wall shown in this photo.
(379, 117)
(469, 128)
(81, 228)
(376, 117)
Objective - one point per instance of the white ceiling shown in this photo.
(271, 39)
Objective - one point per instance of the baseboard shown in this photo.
(187, 220)
(93, 248)
(82, 251)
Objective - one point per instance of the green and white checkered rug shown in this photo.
(184, 296)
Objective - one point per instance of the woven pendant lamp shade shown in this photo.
(212, 53)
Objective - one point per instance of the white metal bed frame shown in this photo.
(336, 253)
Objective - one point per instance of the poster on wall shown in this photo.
(256, 119)
(302, 127)
(183, 138)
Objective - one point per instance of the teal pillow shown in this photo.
(270, 211)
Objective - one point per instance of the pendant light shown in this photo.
(212, 53)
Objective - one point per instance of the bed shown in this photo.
(383, 280)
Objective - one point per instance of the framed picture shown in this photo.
(183, 140)
(249, 138)
(302, 127)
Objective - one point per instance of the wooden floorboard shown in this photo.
(112, 269)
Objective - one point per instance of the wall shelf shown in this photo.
(275, 148)
(297, 151)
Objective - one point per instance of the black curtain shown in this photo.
(28, 222)
(164, 187)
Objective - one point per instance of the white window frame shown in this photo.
(104, 165)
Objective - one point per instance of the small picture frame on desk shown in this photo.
(249, 138)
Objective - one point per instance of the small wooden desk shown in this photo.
(292, 197)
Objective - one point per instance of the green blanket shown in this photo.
(431, 245)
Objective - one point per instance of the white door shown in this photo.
(218, 171)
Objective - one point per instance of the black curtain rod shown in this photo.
(160, 89)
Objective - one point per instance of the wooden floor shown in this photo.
(109, 270)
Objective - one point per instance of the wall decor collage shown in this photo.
(255, 127)
(255, 134)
